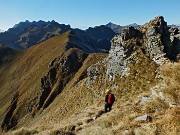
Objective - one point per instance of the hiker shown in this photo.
(109, 100)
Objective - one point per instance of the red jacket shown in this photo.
(109, 99)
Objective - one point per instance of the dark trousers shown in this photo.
(107, 107)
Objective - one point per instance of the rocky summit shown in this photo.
(58, 86)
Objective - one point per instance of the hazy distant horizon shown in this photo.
(87, 13)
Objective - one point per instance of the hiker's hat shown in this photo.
(108, 90)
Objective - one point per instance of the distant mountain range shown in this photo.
(174, 25)
(118, 28)
(98, 36)
(25, 34)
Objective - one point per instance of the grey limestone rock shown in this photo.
(117, 60)
(144, 118)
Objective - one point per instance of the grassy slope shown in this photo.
(24, 73)
(23, 76)
(81, 113)
(73, 98)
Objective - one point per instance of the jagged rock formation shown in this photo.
(155, 39)
(175, 40)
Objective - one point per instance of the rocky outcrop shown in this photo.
(61, 71)
(122, 53)
(143, 118)
(175, 40)
(161, 40)
(158, 42)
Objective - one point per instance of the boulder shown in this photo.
(143, 118)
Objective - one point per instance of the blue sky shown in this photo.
(85, 13)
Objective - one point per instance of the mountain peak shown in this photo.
(111, 24)
(116, 28)
(133, 24)
(158, 21)
(27, 21)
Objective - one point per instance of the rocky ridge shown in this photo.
(155, 39)
(155, 46)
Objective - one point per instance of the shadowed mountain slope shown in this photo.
(6, 54)
(98, 36)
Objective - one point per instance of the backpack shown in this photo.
(110, 99)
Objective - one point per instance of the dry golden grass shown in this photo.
(24, 73)
(24, 131)
(120, 120)
(171, 74)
